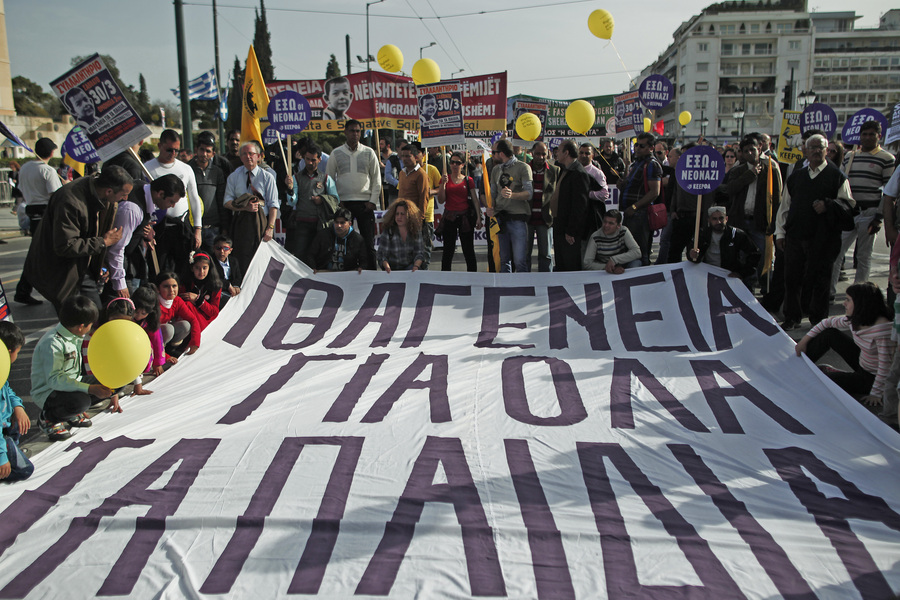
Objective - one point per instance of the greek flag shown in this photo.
(201, 88)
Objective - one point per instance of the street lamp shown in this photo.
(739, 113)
(704, 122)
(455, 73)
(428, 46)
(806, 98)
(369, 57)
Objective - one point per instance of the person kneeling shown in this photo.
(722, 245)
(870, 351)
(612, 247)
(339, 247)
(56, 380)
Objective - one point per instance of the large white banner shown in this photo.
(452, 435)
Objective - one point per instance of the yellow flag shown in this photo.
(255, 102)
(78, 167)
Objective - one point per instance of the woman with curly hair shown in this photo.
(401, 246)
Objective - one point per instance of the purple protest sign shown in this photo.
(700, 170)
(79, 146)
(818, 116)
(270, 135)
(289, 112)
(656, 92)
(850, 132)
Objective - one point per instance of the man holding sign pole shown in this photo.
(639, 188)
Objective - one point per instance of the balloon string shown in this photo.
(622, 61)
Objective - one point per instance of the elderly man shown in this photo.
(251, 193)
(511, 189)
(816, 207)
(67, 251)
(722, 245)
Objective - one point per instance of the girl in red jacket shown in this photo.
(202, 289)
(178, 321)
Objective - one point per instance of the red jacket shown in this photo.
(182, 311)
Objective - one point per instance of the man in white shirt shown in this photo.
(37, 181)
(189, 208)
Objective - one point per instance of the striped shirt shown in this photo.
(876, 349)
(620, 247)
(868, 172)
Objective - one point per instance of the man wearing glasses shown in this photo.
(817, 205)
(639, 188)
(251, 192)
(189, 208)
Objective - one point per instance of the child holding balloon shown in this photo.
(178, 321)
(14, 466)
(124, 309)
(56, 379)
(202, 289)
(146, 314)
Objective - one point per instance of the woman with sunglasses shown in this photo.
(835, 153)
(461, 214)
(730, 156)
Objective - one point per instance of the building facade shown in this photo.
(757, 58)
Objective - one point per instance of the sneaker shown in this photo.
(81, 420)
(55, 431)
(790, 325)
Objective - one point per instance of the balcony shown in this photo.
(730, 86)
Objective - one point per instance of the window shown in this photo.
(726, 29)
(702, 67)
(683, 69)
(754, 28)
(785, 28)
(745, 49)
(681, 89)
(728, 50)
(762, 49)
(701, 86)
(712, 30)
(743, 29)
(794, 45)
(768, 28)
(700, 105)
(703, 47)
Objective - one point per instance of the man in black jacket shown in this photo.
(569, 205)
(730, 248)
(339, 247)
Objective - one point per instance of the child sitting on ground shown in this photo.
(202, 289)
(56, 384)
(14, 465)
(178, 321)
(123, 309)
(146, 314)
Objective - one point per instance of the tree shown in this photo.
(333, 69)
(235, 97)
(31, 100)
(262, 44)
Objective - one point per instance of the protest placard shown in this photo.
(818, 116)
(892, 133)
(790, 138)
(441, 114)
(538, 109)
(79, 146)
(656, 92)
(850, 132)
(629, 115)
(700, 170)
(90, 94)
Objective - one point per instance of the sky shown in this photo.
(547, 50)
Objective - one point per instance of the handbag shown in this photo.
(658, 216)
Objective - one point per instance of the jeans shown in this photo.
(857, 383)
(513, 241)
(545, 242)
(428, 238)
(62, 406)
(299, 237)
(864, 248)
(21, 467)
(664, 238)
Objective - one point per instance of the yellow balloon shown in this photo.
(390, 58)
(528, 126)
(426, 71)
(118, 352)
(4, 364)
(580, 116)
(647, 124)
(684, 118)
(601, 24)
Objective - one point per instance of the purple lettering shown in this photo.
(424, 306)
(482, 561)
(618, 556)
(490, 317)
(562, 308)
(34, 504)
(515, 397)
(551, 569)
(334, 295)
(832, 514)
(719, 289)
(771, 556)
(628, 320)
(241, 329)
(706, 371)
(394, 293)
(436, 386)
(275, 382)
(353, 390)
(620, 396)
(192, 455)
(686, 306)
(325, 527)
